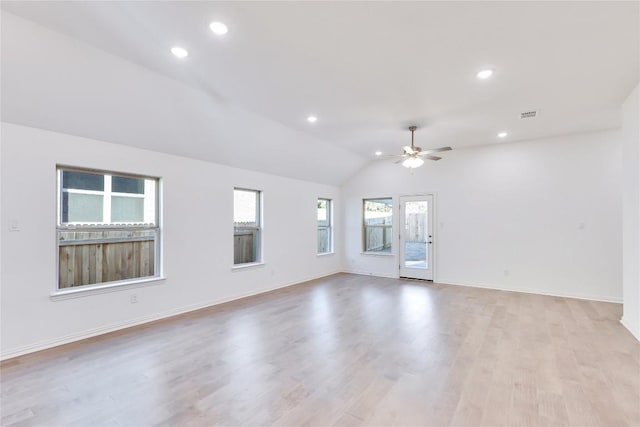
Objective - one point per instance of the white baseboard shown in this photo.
(636, 334)
(532, 291)
(499, 288)
(43, 345)
(368, 273)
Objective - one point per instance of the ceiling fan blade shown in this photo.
(407, 149)
(414, 152)
(436, 150)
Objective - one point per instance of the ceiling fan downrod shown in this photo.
(412, 129)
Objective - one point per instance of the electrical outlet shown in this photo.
(133, 298)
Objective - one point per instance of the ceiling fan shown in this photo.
(413, 156)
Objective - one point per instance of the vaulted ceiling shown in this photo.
(365, 69)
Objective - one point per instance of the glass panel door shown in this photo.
(416, 238)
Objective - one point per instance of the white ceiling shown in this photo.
(366, 69)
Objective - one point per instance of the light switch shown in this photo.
(14, 225)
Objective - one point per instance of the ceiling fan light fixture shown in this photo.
(413, 156)
(413, 162)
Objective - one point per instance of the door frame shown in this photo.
(434, 238)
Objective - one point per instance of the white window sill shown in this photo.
(325, 254)
(377, 253)
(247, 265)
(86, 291)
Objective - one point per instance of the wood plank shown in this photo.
(152, 259)
(93, 249)
(77, 272)
(144, 258)
(99, 262)
(126, 252)
(107, 263)
(135, 260)
(71, 267)
(85, 264)
(63, 259)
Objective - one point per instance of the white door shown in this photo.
(416, 237)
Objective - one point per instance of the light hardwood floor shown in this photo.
(345, 350)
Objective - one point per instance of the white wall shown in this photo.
(198, 237)
(516, 207)
(631, 211)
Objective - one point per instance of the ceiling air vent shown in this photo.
(528, 114)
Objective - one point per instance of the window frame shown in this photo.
(156, 228)
(258, 229)
(329, 226)
(365, 251)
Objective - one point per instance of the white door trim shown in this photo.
(432, 227)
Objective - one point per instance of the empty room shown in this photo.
(320, 213)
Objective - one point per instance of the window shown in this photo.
(246, 226)
(107, 227)
(378, 216)
(325, 229)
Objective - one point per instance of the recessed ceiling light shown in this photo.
(179, 52)
(312, 119)
(502, 135)
(218, 28)
(485, 74)
(378, 153)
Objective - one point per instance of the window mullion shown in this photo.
(106, 206)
